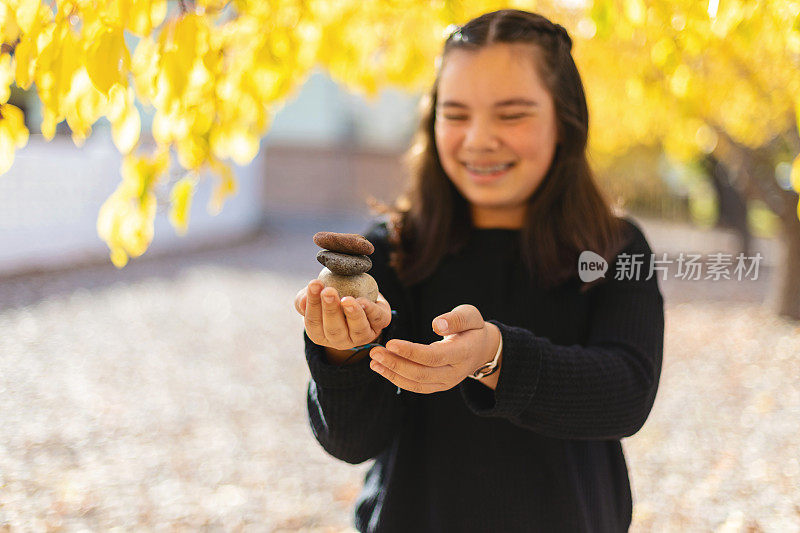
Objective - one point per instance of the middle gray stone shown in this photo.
(344, 264)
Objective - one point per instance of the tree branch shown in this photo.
(8, 48)
(759, 170)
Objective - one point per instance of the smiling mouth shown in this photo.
(488, 170)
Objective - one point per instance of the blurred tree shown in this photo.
(696, 78)
(704, 80)
(636, 180)
(732, 205)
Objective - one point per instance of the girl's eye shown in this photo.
(504, 117)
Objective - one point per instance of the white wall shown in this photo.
(51, 196)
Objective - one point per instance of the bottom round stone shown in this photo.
(358, 286)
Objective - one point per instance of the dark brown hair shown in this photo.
(566, 214)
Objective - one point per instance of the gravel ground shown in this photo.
(170, 396)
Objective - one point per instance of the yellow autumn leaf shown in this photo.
(635, 11)
(66, 51)
(9, 29)
(34, 38)
(13, 134)
(83, 106)
(57, 64)
(136, 230)
(118, 257)
(661, 51)
(124, 118)
(27, 12)
(192, 151)
(106, 221)
(242, 146)
(126, 130)
(178, 43)
(48, 125)
(109, 219)
(146, 15)
(218, 141)
(112, 12)
(141, 173)
(6, 77)
(160, 159)
(107, 58)
(144, 66)
(118, 98)
(126, 218)
(162, 128)
(225, 187)
(181, 203)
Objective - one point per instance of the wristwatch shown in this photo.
(490, 367)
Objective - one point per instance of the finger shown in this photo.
(313, 314)
(462, 318)
(379, 314)
(434, 355)
(409, 369)
(333, 321)
(359, 328)
(404, 383)
(300, 301)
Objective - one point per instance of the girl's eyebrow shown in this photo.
(502, 103)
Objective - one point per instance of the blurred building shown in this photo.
(328, 150)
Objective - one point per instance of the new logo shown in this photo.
(591, 266)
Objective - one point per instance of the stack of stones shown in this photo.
(346, 261)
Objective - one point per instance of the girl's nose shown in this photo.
(480, 136)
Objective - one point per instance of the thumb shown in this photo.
(461, 318)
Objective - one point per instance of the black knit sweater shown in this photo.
(542, 452)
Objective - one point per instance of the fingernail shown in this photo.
(348, 307)
(328, 298)
(441, 324)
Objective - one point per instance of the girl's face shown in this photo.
(495, 130)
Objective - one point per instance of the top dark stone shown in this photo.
(346, 243)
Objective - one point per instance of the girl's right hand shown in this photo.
(344, 324)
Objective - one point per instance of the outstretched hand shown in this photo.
(343, 323)
(468, 343)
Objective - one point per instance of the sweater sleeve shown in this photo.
(604, 389)
(353, 411)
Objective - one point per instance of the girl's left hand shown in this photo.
(469, 342)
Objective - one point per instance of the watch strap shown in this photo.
(490, 367)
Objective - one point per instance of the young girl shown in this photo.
(492, 381)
